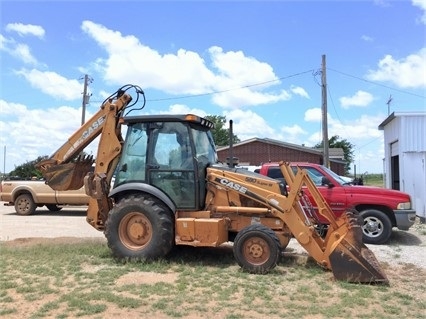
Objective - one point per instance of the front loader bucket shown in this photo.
(67, 176)
(352, 261)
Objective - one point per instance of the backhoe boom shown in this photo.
(66, 168)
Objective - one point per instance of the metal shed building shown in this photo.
(405, 156)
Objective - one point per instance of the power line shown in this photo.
(378, 84)
(227, 90)
(232, 89)
(314, 72)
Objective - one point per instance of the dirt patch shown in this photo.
(148, 278)
(400, 276)
(28, 242)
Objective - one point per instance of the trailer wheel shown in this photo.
(25, 205)
(139, 227)
(53, 207)
(257, 249)
(376, 227)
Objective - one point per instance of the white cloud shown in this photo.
(17, 50)
(422, 5)
(362, 133)
(184, 109)
(129, 61)
(242, 81)
(292, 134)
(367, 38)
(3, 42)
(29, 133)
(26, 29)
(313, 115)
(361, 99)
(381, 3)
(240, 68)
(408, 72)
(299, 91)
(248, 124)
(358, 129)
(23, 52)
(53, 84)
(246, 97)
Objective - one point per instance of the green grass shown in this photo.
(83, 280)
(374, 180)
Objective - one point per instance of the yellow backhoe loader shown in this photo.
(170, 189)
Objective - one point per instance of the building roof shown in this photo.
(394, 115)
(336, 153)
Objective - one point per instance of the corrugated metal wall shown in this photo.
(413, 134)
(413, 180)
(408, 133)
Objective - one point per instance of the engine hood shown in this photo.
(376, 191)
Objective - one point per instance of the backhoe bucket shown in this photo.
(352, 261)
(67, 176)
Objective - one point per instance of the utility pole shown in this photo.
(86, 97)
(4, 163)
(326, 157)
(388, 103)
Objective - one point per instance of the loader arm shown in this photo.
(340, 250)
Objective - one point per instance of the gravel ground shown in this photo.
(405, 247)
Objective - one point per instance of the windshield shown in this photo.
(204, 145)
(338, 179)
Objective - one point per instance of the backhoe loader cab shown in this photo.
(170, 153)
(169, 189)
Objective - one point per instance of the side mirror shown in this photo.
(326, 182)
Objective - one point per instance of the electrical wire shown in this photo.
(231, 89)
(378, 84)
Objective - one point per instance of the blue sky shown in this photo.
(255, 62)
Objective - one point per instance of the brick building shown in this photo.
(256, 151)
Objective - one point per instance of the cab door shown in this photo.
(171, 163)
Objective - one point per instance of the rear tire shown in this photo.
(257, 249)
(25, 205)
(140, 227)
(376, 227)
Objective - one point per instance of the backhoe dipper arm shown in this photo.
(66, 168)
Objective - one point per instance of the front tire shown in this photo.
(140, 227)
(257, 249)
(376, 227)
(25, 205)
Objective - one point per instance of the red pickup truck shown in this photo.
(382, 209)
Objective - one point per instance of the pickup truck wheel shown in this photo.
(139, 227)
(53, 208)
(376, 228)
(25, 205)
(257, 249)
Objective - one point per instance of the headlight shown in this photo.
(406, 205)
